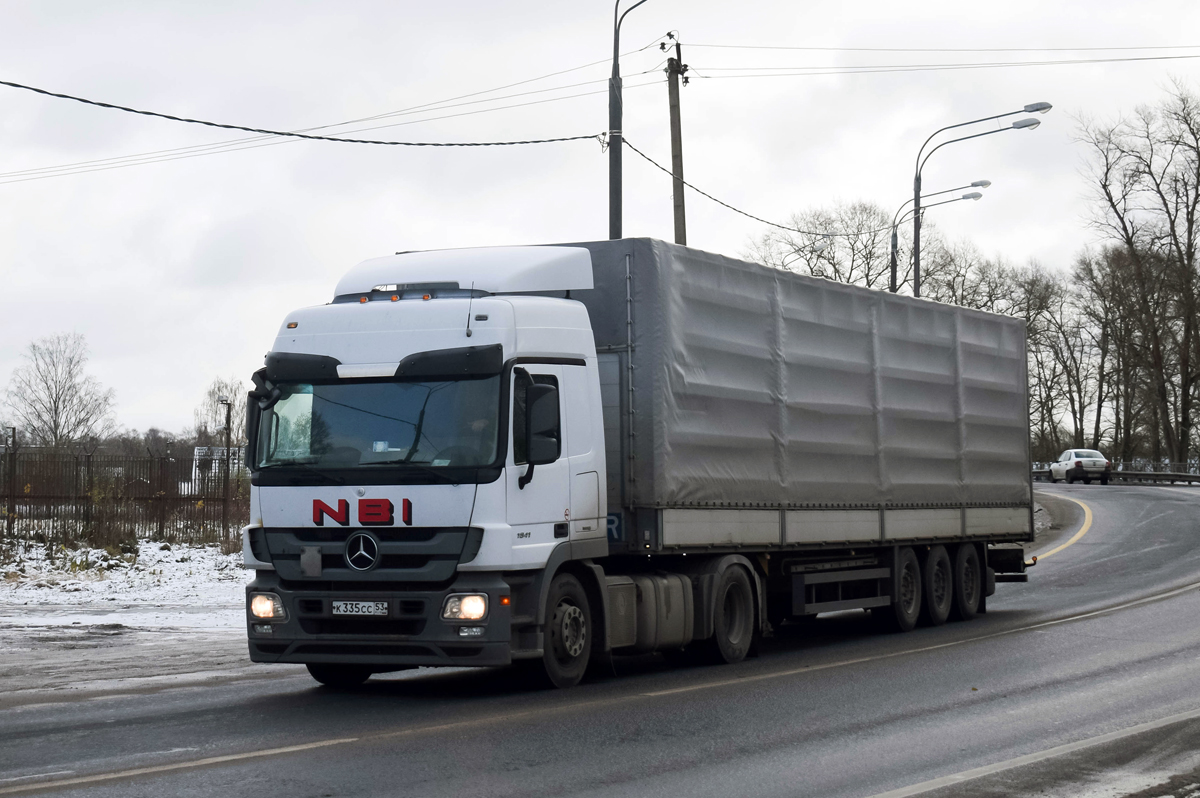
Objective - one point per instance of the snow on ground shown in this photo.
(159, 585)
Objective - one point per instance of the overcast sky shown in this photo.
(180, 270)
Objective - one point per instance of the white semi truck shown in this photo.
(559, 453)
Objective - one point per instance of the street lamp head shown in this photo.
(824, 245)
(974, 195)
(1038, 108)
(223, 400)
(981, 184)
(1028, 123)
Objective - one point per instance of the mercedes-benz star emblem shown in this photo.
(362, 551)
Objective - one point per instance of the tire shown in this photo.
(1104, 480)
(937, 586)
(568, 639)
(902, 614)
(337, 676)
(733, 616)
(1070, 478)
(1052, 479)
(968, 582)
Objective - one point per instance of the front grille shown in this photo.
(311, 606)
(385, 534)
(370, 649)
(412, 607)
(362, 627)
(387, 561)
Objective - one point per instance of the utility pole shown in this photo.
(11, 519)
(225, 487)
(675, 69)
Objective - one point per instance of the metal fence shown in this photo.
(104, 500)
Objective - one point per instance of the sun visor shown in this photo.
(467, 361)
(298, 367)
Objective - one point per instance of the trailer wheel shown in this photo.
(568, 632)
(733, 616)
(937, 586)
(902, 614)
(968, 582)
(338, 676)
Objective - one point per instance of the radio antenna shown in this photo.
(470, 302)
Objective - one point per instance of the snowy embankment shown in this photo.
(158, 585)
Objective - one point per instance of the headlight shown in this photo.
(268, 606)
(465, 607)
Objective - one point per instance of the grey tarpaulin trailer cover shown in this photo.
(749, 405)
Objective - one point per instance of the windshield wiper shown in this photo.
(410, 464)
(308, 467)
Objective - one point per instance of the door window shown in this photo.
(522, 379)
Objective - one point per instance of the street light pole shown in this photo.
(897, 219)
(895, 242)
(614, 126)
(1020, 124)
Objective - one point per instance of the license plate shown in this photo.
(360, 608)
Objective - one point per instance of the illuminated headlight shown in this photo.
(465, 607)
(268, 606)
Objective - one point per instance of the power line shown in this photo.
(817, 71)
(306, 136)
(179, 153)
(948, 49)
(255, 143)
(750, 215)
(230, 146)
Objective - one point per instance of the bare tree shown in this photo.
(53, 400)
(1146, 174)
(210, 415)
(850, 243)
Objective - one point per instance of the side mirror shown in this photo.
(543, 435)
(542, 424)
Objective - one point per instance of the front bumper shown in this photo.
(413, 632)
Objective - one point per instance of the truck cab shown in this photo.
(421, 448)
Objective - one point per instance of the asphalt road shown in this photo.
(1084, 681)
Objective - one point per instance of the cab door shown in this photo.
(538, 508)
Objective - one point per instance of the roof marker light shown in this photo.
(427, 297)
(362, 300)
(395, 297)
(292, 325)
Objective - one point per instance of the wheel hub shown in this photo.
(572, 631)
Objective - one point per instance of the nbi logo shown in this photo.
(371, 512)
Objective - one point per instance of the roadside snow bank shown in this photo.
(156, 575)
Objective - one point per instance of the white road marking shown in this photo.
(1029, 759)
(36, 776)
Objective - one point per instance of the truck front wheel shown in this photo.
(568, 632)
(338, 676)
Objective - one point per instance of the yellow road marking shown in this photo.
(1083, 530)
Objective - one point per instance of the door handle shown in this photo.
(560, 530)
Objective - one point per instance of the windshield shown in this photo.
(351, 424)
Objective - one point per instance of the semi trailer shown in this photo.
(557, 454)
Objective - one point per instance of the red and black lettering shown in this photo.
(340, 516)
(376, 512)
